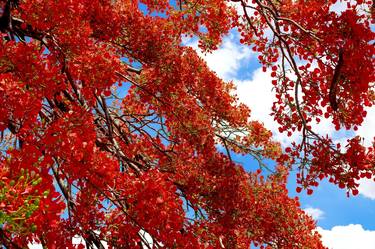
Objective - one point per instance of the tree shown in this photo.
(110, 126)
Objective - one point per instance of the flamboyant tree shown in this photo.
(110, 126)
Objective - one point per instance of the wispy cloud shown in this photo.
(367, 188)
(366, 130)
(228, 59)
(315, 213)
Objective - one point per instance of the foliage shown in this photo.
(114, 124)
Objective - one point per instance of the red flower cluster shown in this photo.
(110, 126)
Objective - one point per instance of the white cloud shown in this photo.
(258, 95)
(315, 213)
(348, 237)
(238, 7)
(227, 60)
(325, 127)
(366, 130)
(147, 242)
(342, 5)
(339, 7)
(367, 188)
(34, 246)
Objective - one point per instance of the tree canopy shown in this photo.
(110, 126)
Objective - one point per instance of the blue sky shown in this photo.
(343, 222)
